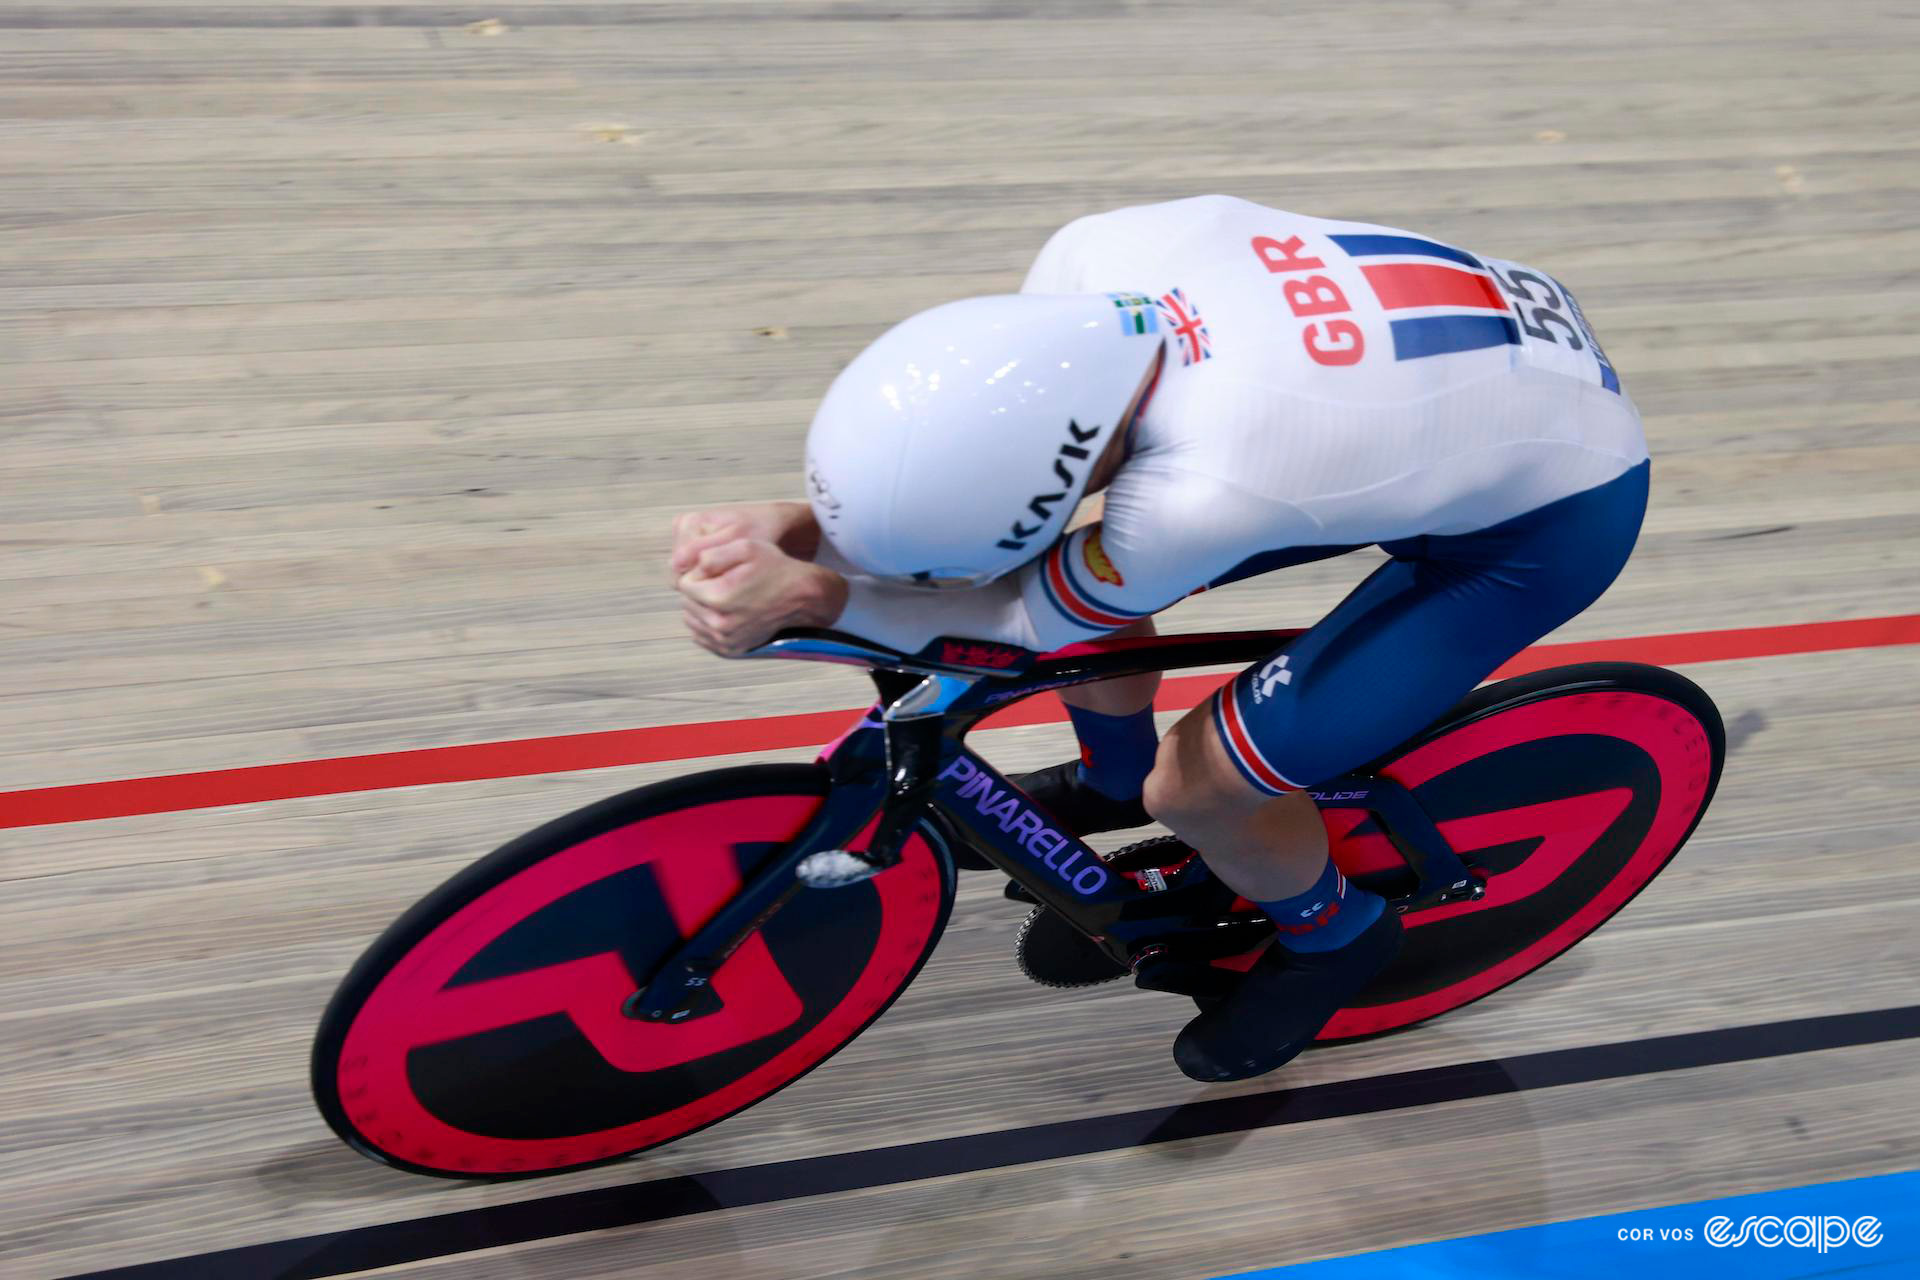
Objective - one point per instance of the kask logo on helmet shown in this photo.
(1041, 504)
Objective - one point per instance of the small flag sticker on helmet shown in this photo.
(1137, 313)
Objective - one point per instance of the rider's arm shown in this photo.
(1164, 536)
(789, 526)
(908, 617)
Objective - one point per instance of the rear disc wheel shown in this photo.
(1567, 790)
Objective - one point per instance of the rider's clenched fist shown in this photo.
(735, 593)
(787, 525)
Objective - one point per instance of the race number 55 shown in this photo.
(1539, 310)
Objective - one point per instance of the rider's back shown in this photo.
(1373, 383)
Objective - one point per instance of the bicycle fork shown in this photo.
(909, 733)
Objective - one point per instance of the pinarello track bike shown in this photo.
(656, 962)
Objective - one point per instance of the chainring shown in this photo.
(1053, 953)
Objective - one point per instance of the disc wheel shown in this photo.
(1567, 791)
(482, 1035)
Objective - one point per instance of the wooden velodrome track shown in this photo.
(356, 358)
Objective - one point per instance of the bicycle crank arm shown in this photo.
(1441, 877)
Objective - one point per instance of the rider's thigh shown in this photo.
(1420, 633)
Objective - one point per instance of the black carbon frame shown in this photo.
(904, 769)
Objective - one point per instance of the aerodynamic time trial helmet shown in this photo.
(955, 447)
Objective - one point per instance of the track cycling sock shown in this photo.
(1116, 752)
(1330, 914)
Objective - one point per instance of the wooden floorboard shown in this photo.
(353, 360)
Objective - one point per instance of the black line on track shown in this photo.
(390, 1244)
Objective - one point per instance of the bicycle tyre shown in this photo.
(473, 1041)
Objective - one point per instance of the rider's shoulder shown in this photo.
(1100, 251)
(1177, 490)
(1157, 219)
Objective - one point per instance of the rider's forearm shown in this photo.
(907, 618)
(826, 598)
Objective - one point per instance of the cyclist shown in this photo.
(1250, 389)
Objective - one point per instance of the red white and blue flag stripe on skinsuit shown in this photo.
(1438, 299)
(1243, 747)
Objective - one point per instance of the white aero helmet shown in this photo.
(954, 449)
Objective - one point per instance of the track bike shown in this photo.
(660, 960)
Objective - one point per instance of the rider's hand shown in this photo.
(787, 525)
(736, 594)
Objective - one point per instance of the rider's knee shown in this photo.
(1193, 789)
(1160, 793)
(1169, 795)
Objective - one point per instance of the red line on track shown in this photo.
(44, 806)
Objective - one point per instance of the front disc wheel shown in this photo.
(482, 1036)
